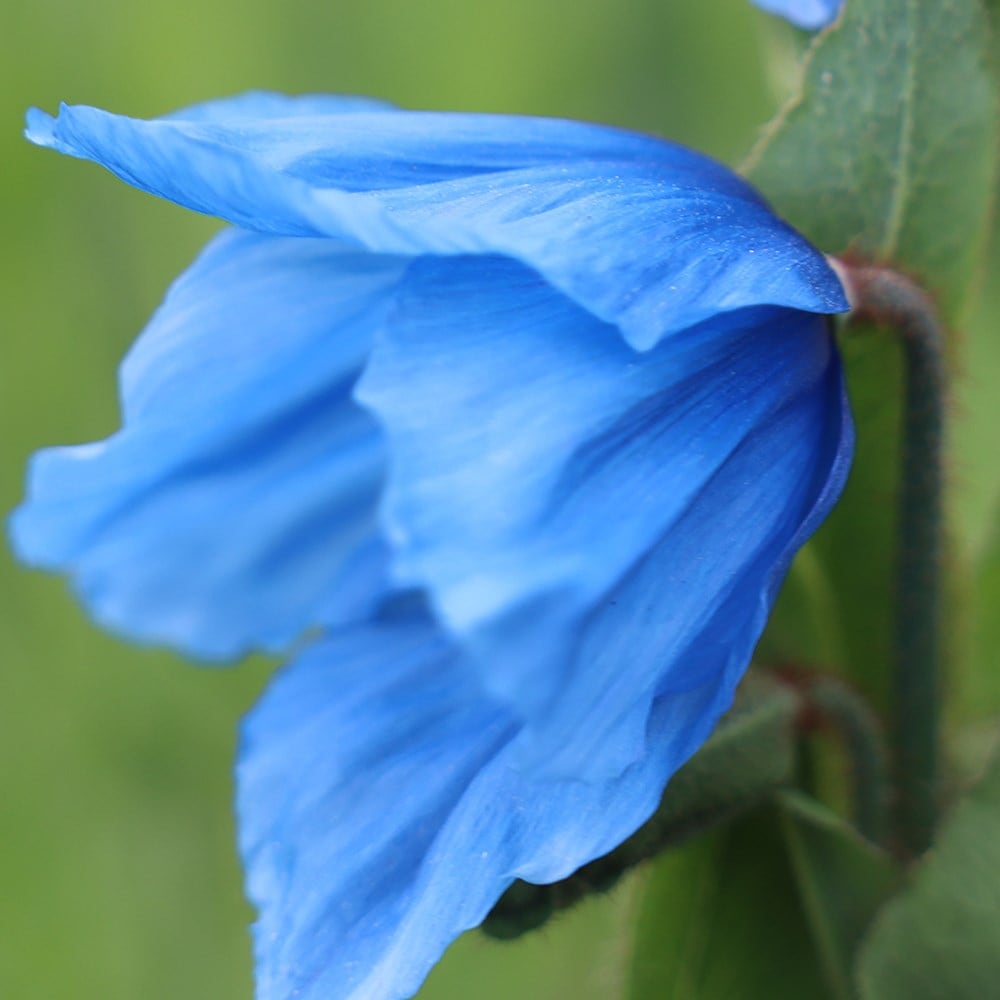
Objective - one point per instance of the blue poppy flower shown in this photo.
(808, 14)
(519, 422)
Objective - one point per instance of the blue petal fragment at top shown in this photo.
(808, 14)
(597, 525)
(236, 506)
(381, 814)
(645, 234)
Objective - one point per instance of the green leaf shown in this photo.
(750, 754)
(834, 610)
(805, 627)
(975, 701)
(721, 920)
(777, 901)
(987, 631)
(842, 879)
(976, 416)
(888, 150)
(941, 937)
(975, 695)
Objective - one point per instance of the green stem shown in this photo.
(891, 299)
(827, 704)
(860, 735)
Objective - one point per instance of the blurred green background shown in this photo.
(118, 878)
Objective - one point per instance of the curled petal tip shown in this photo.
(39, 127)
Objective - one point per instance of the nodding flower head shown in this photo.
(512, 427)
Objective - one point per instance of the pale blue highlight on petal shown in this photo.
(581, 514)
(381, 813)
(236, 507)
(645, 234)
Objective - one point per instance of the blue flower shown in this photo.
(518, 421)
(809, 14)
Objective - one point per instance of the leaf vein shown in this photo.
(900, 191)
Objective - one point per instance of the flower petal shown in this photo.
(236, 506)
(380, 815)
(596, 523)
(264, 105)
(645, 234)
(808, 14)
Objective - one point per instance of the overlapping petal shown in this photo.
(809, 14)
(643, 233)
(381, 816)
(600, 409)
(607, 522)
(235, 508)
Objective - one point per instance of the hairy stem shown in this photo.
(860, 735)
(894, 300)
(829, 705)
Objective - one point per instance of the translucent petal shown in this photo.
(235, 508)
(264, 105)
(596, 523)
(645, 234)
(380, 815)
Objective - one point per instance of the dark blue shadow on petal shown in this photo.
(596, 524)
(381, 814)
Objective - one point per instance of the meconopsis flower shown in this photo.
(513, 425)
(809, 14)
